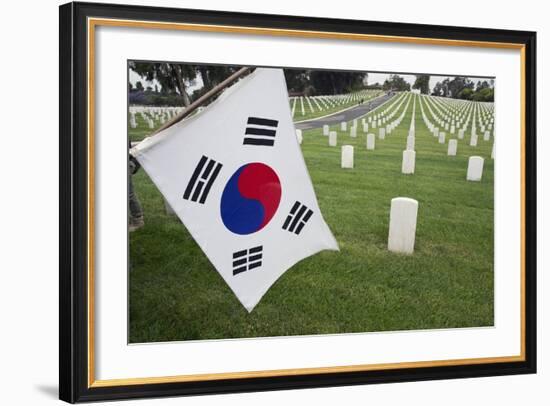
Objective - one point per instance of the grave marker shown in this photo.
(407, 165)
(410, 142)
(402, 230)
(332, 139)
(299, 136)
(371, 138)
(475, 169)
(347, 157)
(451, 150)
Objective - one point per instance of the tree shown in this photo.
(422, 82)
(177, 77)
(212, 75)
(455, 86)
(396, 83)
(486, 94)
(139, 86)
(466, 94)
(296, 80)
(171, 76)
(482, 85)
(330, 82)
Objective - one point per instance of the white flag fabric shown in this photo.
(235, 176)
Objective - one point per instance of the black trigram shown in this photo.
(260, 131)
(246, 260)
(201, 181)
(297, 218)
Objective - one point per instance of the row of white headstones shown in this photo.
(322, 103)
(404, 210)
(152, 116)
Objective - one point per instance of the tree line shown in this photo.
(459, 87)
(176, 81)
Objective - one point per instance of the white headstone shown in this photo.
(407, 166)
(347, 156)
(343, 126)
(473, 140)
(365, 127)
(326, 129)
(436, 132)
(371, 141)
(373, 123)
(475, 168)
(403, 214)
(493, 151)
(410, 142)
(442, 138)
(299, 136)
(353, 132)
(382, 133)
(461, 133)
(451, 150)
(486, 136)
(332, 138)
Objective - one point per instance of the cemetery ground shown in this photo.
(176, 294)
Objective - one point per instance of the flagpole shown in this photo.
(204, 98)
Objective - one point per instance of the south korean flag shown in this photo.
(235, 176)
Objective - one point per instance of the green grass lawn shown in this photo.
(176, 294)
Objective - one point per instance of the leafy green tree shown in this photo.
(422, 83)
(396, 83)
(139, 86)
(457, 84)
(333, 82)
(485, 95)
(176, 77)
(482, 85)
(171, 76)
(466, 94)
(296, 80)
(212, 75)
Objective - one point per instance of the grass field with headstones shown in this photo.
(306, 108)
(176, 294)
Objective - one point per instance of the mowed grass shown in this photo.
(176, 294)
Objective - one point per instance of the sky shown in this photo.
(373, 78)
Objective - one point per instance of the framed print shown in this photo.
(256, 202)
